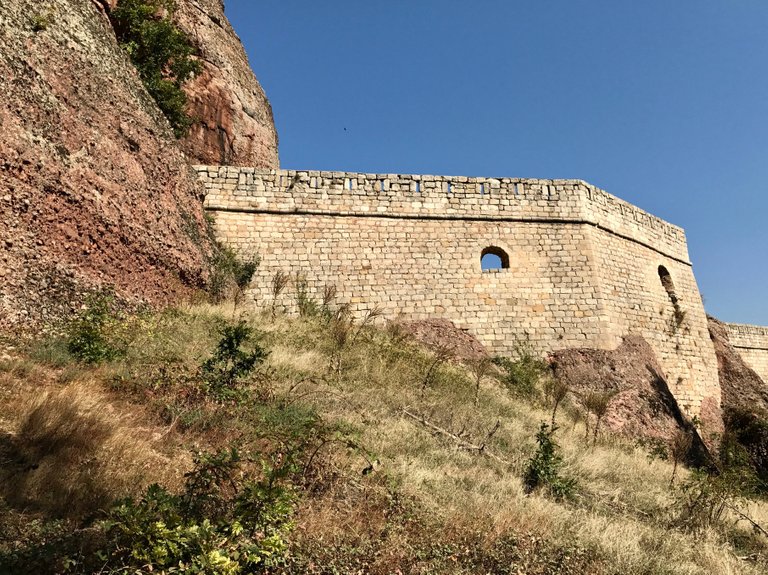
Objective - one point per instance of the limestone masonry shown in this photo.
(752, 343)
(580, 267)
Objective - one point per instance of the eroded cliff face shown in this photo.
(234, 123)
(94, 189)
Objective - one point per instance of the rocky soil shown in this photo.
(443, 336)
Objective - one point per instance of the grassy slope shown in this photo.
(427, 507)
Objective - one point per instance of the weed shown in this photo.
(231, 275)
(52, 351)
(305, 304)
(681, 445)
(479, 368)
(440, 355)
(596, 403)
(555, 391)
(523, 371)
(279, 281)
(329, 295)
(42, 20)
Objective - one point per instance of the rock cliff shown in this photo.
(234, 123)
(94, 189)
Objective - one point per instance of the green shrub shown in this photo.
(523, 371)
(747, 429)
(89, 334)
(544, 467)
(161, 53)
(224, 372)
(225, 522)
(230, 275)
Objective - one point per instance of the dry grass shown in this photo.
(427, 499)
(72, 453)
(622, 508)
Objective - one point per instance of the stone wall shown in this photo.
(752, 343)
(583, 265)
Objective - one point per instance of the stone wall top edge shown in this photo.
(379, 176)
(747, 329)
(592, 193)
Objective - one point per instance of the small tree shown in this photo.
(161, 53)
(544, 467)
(230, 364)
(479, 367)
(555, 390)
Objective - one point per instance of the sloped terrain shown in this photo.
(393, 463)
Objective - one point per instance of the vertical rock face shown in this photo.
(234, 118)
(94, 189)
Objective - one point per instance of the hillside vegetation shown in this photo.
(210, 440)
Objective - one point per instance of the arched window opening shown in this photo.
(493, 258)
(669, 286)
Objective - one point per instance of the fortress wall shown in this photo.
(752, 343)
(637, 302)
(419, 269)
(583, 264)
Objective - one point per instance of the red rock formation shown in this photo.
(643, 406)
(94, 189)
(234, 119)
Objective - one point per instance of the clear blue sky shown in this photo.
(662, 103)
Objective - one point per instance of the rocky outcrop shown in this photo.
(740, 385)
(233, 118)
(94, 189)
(642, 406)
(744, 399)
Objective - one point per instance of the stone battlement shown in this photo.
(438, 197)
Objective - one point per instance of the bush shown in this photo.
(161, 53)
(221, 524)
(230, 364)
(88, 336)
(522, 372)
(544, 467)
(748, 428)
(230, 275)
